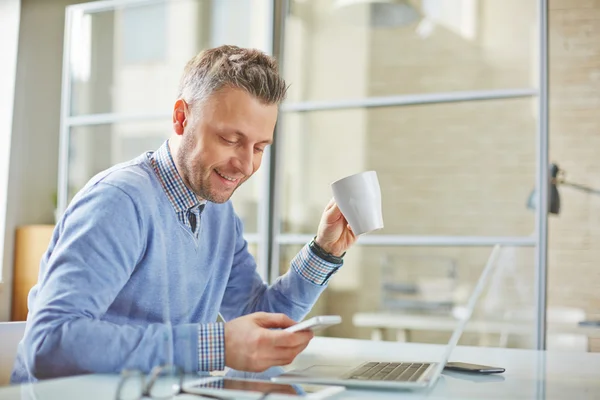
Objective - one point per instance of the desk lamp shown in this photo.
(558, 178)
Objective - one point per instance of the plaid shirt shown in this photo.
(184, 201)
(211, 336)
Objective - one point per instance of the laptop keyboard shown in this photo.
(383, 371)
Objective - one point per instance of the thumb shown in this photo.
(272, 320)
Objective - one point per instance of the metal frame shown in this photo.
(281, 9)
(108, 5)
(111, 118)
(264, 207)
(66, 120)
(422, 240)
(410, 99)
(65, 111)
(541, 262)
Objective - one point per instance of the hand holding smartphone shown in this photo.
(315, 323)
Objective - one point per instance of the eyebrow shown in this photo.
(246, 137)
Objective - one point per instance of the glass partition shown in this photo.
(438, 97)
(355, 49)
(116, 52)
(122, 76)
(444, 169)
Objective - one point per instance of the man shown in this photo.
(150, 251)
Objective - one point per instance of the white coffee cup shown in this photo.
(359, 199)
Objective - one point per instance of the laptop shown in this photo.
(393, 375)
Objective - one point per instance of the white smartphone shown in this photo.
(314, 323)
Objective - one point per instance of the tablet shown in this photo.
(234, 388)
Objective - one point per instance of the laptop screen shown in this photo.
(471, 303)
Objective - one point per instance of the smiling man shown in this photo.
(149, 252)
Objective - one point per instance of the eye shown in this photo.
(227, 141)
(259, 149)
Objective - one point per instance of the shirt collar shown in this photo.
(181, 197)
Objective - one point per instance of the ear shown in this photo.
(180, 115)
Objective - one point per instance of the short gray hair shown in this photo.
(231, 66)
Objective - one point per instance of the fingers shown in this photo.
(274, 346)
(251, 344)
(330, 204)
(299, 349)
(281, 347)
(282, 338)
(333, 214)
(350, 231)
(273, 320)
(287, 355)
(290, 339)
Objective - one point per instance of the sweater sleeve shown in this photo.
(293, 294)
(95, 250)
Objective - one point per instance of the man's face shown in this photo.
(224, 144)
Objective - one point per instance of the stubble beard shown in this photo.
(201, 186)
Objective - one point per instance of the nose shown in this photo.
(245, 161)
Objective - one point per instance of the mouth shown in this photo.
(226, 179)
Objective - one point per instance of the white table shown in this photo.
(404, 323)
(529, 374)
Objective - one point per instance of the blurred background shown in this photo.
(440, 97)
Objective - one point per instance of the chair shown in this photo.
(11, 334)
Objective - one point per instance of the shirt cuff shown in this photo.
(312, 267)
(211, 347)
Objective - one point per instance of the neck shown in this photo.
(174, 143)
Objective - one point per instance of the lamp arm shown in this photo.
(583, 188)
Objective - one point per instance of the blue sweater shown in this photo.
(124, 284)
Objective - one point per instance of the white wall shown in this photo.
(9, 32)
(33, 167)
